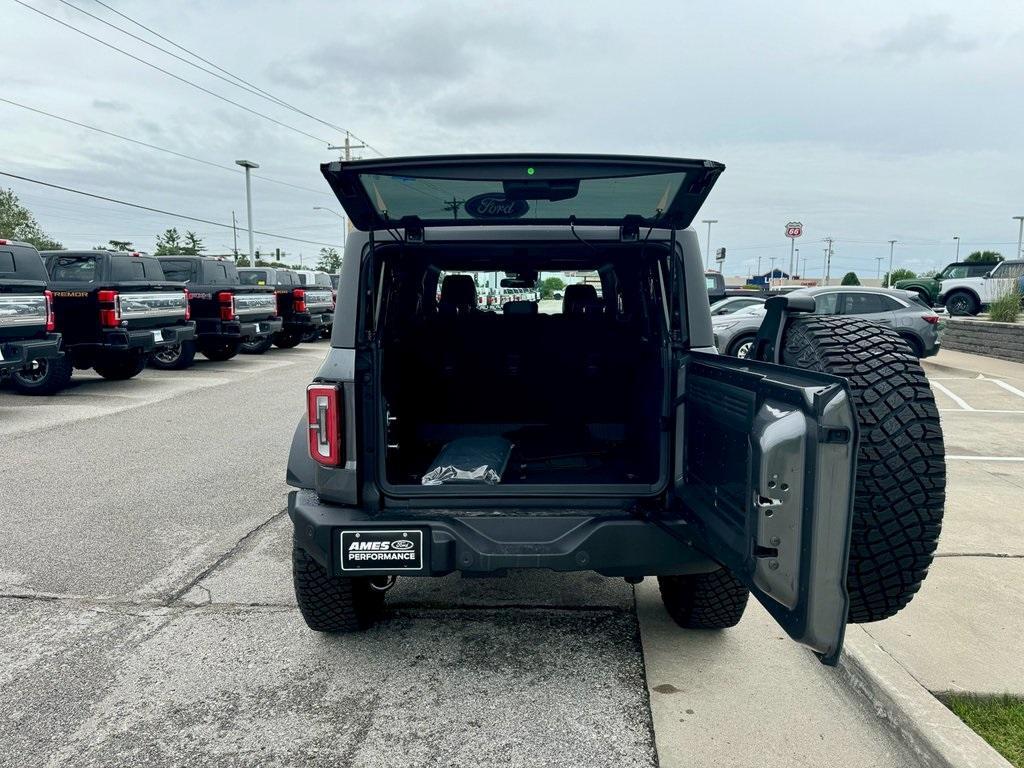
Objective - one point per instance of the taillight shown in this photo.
(51, 322)
(323, 404)
(933, 319)
(299, 294)
(110, 309)
(334, 299)
(227, 305)
(188, 305)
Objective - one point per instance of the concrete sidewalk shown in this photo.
(964, 362)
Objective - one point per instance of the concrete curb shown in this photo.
(937, 736)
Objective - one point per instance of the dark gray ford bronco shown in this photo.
(607, 435)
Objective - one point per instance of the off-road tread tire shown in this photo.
(121, 367)
(220, 352)
(287, 339)
(256, 347)
(58, 376)
(332, 604)
(704, 600)
(900, 489)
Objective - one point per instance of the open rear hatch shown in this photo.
(545, 189)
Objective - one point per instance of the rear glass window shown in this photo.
(21, 262)
(302, 277)
(323, 279)
(287, 278)
(129, 268)
(253, 277)
(76, 269)
(457, 199)
(219, 273)
(179, 271)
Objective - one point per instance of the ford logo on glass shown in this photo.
(494, 205)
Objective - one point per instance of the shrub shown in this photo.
(850, 278)
(1006, 308)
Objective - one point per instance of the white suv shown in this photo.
(968, 295)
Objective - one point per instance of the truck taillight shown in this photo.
(188, 305)
(51, 321)
(323, 403)
(227, 305)
(299, 294)
(110, 308)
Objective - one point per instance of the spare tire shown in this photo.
(900, 489)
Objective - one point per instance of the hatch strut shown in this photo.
(768, 344)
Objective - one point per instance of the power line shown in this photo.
(171, 74)
(158, 210)
(247, 84)
(158, 148)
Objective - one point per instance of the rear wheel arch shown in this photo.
(916, 344)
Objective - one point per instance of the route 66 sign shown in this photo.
(794, 229)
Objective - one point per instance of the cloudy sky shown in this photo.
(884, 120)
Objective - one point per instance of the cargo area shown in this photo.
(569, 390)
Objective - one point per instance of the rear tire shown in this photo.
(287, 339)
(332, 604)
(704, 600)
(257, 347)
(900, 489)
(742, 346)
(222, 351)
(120, 367)
(962, 303)
(46, 377)
(175, 358)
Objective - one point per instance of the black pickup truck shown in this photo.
(113, 309)
(306, 311)
(28, 345)
(227, 314)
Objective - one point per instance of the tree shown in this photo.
(850, 278)
(901, 273)
(168, 243)
(985, 256)
(330, 260)
(549, 286)
(193, 245)
(115, 245)
(18, 223)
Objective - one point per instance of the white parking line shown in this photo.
(952, 396)
(975, 410)
(984, 458)
(1008, 387)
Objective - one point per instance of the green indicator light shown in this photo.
(530, 171)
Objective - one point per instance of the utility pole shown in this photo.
(878, 268)
(234, 234)
(892, 244)
(347, 147)
(828, 259)
(1020, 236)
(758, 266)
(957, 238)
(707, 254)
(771, 278)
(249, 165)
(796, 265)
(803, 269)
(453, 205)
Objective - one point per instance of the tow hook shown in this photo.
(382, 583)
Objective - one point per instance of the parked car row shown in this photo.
(735, 327)
(967, 287)
(117, 312)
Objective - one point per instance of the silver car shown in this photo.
(900, 310)
(734, 304)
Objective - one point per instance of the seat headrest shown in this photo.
(580, 298)
(458, 292)
(520, 308)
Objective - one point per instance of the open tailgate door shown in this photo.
(543, 189)
(765, 470)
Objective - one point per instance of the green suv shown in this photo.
(928, 287)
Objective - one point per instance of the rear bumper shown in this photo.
(15, 355)
(611, 544)
(235, 330)
(307, 322)
(149, 339)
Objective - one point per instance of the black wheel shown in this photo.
(704, 600)
(900, 489)
(44, 377)
(311, 336)
(742, 346)
(257, 347)
(175, 358)
(120, 367)
(962, 303)
(222, 351)
(329, 603)
(287, 339)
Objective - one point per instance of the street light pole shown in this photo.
(888, 277)
(248, 165)
(344, 225)
(878, 268)
(795, 265)
(828, 259)
(957, 238)
(1020, 236)
(771, 279)
(707, 255)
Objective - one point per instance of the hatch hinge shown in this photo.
(413, 228)
(629, 231)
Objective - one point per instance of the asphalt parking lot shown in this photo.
(146, 598)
